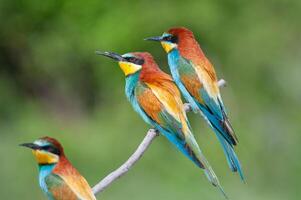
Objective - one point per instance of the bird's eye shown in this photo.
(51, 149)
(135, 60)
(139, 61)
(132, 59)
(168, 38)
(171, 38)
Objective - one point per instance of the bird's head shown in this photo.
(172, 38)
(130, 63)
(46, 150)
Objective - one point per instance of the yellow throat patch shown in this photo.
(129, 68)
(167, 46)
(44, 157)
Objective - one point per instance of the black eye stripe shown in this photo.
(134, 60)
(51, 149)
(168, 38)
(171, 38)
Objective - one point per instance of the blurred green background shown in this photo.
(52, 83)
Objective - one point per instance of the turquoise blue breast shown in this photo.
(44, 171)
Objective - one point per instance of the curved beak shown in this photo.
(111, 55)
(156, 38)
(30, 145)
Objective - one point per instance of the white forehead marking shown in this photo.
(41, 142)
(166, 34)
(127, 55)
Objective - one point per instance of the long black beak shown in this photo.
(30, 145)
(112, 55)
(156, 38)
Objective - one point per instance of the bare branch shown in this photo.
(222, 83)
(124, 168)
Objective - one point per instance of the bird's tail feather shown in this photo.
(231, 156)
(214, 180)
(210, 174)
(194, 153)
(226, 125)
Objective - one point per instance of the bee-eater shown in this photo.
(156, 98)
(196, 78)
(58, 179)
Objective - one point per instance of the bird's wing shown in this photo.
(166, 117)
(200, 80)
(171, 117)
(69, 185)
(190, 79)
(160, 100)
(58, 188)
(162, 108)
(210, 91)
(162, 103)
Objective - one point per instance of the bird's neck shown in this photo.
(173, 58)
(130, 84)
(173, 61)
(44, 171)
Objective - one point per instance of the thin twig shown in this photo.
(124, 168)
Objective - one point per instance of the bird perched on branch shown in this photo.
(156, 98)
(196, 78)
(58, 179)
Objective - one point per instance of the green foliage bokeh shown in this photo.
(52, 83)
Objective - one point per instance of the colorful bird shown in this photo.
(156, 98)
(196, 78)
(58, 179)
